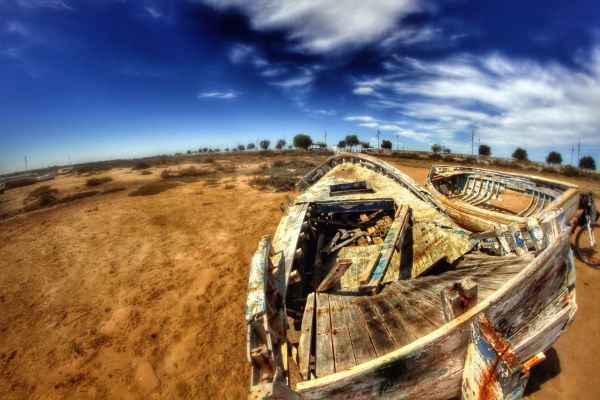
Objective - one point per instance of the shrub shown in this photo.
(436, 148)
(146, 172)
(45, 194)
(435, 156)
(281, 183)
(386, 144)
(571, 171)
(97, 181)
(154, 188)
(280, 144)
(141, 165)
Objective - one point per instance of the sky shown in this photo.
(93, 80)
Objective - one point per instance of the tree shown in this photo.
(226, 149)
(365, 145)
(386, 144)
(302, 141)
(341, 144)
(587, 162)
(485, 150)
(520, 154)
(351, 140)
(554, 158)
(264, 144)
(280, 144)
(241, 147)
(446, 150)
(189, 152)
(250, 146)
(436, 148)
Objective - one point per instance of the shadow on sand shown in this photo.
(543, 372)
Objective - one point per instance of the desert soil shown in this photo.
(117, 296)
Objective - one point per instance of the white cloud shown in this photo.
(364, 90)
(219, 95)
(320, 26)
(508, 102)
(361, 118)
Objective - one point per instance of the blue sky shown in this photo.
(102, 79)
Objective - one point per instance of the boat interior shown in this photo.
(338, 318)
(496, 191)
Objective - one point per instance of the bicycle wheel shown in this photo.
(587, 251)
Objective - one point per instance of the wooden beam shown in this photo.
(304, 347)
(392, 241)
(334, 275)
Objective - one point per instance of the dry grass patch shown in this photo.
(98, 181)
(154, 188)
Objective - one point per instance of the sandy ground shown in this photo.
(118, 296)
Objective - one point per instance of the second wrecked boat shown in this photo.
(369, 290)
(482, 199)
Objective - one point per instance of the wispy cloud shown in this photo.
(227, 95)
(17, 28)
(529, 103)
(320, 26)
(144, 69)
(53, 4)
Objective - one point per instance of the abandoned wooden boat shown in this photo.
(29, 179)
(483, 200)
(369, 290)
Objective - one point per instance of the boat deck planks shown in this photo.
(342, 344)
(324, 361)
(353, 328)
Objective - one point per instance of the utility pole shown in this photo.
(578, 150)
(472, 140)
(572, 150)
(378, 135)
(325, 138)
(25, 163)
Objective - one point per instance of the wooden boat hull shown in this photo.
(472, 207)
(527, 312)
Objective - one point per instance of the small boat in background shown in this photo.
(483, 200)
(368, 289)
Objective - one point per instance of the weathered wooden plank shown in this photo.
(545, 328)
(531, 295)
(416, 323)
(342, 344)
(394, 322)
(306, 336)
(428, 305)
(324, 361)
(361, 342)
(392, 241)
(380, 337)
(334, 275)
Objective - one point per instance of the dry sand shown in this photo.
(117, 296)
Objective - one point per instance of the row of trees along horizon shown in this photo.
(302, 141)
